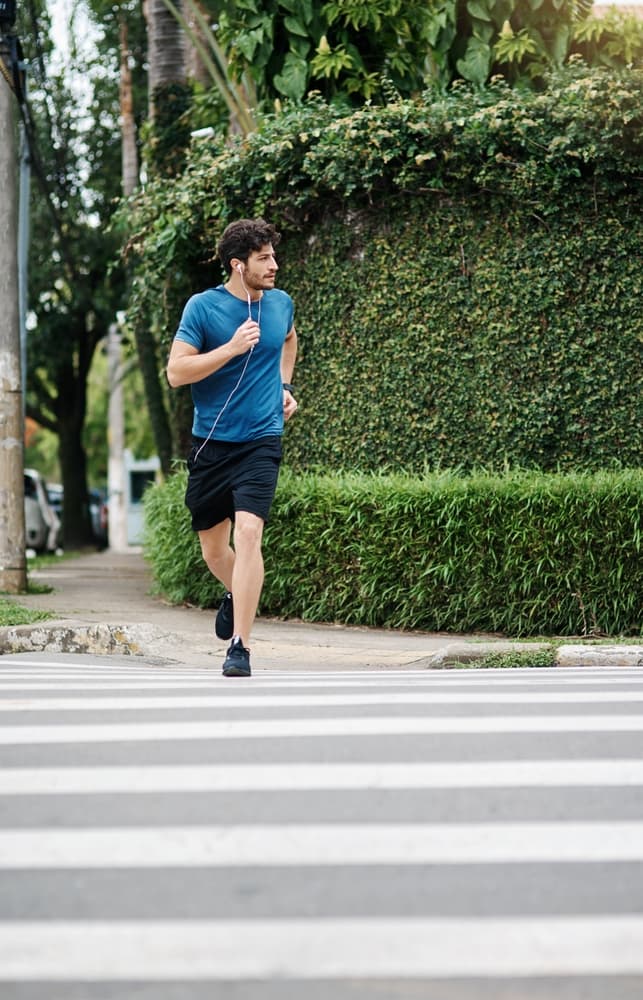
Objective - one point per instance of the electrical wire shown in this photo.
(239, 380)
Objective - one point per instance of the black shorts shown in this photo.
(225, 477)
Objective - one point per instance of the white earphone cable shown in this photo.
(243, 371)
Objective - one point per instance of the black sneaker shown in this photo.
(237, 662)
(224, 622)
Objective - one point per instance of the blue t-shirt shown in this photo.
(255, 409)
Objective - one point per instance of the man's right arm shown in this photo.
(187, 365)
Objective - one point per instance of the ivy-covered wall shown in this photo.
(465, 267)
(467, 332)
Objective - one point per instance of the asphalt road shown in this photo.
(166, 833)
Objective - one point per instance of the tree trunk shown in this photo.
(166, 50)
(147, 350)
(196, 68)
(182, 412)
(169, 96)
(77, 527)
(117, 512)
(70, 408)
(128, 125)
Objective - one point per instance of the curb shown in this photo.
(599, 656)
(146, 640)
(99, 639)
(457, 654)
(566, 655)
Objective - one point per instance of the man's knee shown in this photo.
(215, 543)
(248, 531)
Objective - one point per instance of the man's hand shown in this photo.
(245, 337)
(290, 404)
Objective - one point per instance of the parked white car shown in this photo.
(42, 525)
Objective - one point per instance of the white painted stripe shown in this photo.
(331, 948)
(461, 675)
(90, 686)
(138, 666)
(104, 675)
(386, 674)
(75, 662)
(451, 677)
(210, 684)
(320, 844)
(141, 732)
(314, 777)
(212, 666)
(208, 681)
(139, 662)
(79, 663)
(226, 700)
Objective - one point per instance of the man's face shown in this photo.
(261, 269)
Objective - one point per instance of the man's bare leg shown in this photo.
(247, 572)
(218, 553)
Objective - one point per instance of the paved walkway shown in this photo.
(102, 603)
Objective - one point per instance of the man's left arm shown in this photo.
(288, 358)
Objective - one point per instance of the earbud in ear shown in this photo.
(240, 268)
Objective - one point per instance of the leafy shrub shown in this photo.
(523, 553)
(464, 266)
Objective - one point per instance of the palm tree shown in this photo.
(166, 51)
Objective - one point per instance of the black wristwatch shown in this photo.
(287, 385)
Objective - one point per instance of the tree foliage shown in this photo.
(73, 294)
(351, 51)
(342, 48)
(614, 39)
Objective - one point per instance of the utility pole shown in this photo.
(13, 574)
(117, 529)
(116, 471)
(23, 239)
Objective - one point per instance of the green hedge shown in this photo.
(521, 554)
(464, 333)
(465, 267)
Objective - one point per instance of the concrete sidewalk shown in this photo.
(102, 604)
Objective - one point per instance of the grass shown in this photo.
(515, 659)
(12, 613)
(44, 559)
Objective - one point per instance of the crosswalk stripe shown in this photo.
(329, 948)
(320, 777)
(55, 686)
(207, 683)
(608, 674)
(273, 682)
(391, 698)
(323, 844)
(256, 729)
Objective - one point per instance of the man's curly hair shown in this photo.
(241, 238)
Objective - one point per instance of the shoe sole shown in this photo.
(236, 672)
